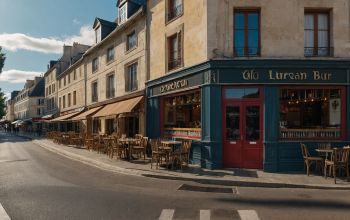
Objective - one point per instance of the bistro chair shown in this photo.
(140, 147)
(339, 160)
(157, 153)
(308, 160)
(117, 149)
(181, 155)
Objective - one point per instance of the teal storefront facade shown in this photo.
(250, 115)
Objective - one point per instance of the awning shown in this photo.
(84, 115)
(16, 122)
(118, 107)
(64, 117)
(47, 116)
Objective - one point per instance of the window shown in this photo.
(74, 75)
(53, 87)
(94, 92)
(98, 35)
(110, 126)
(68, 78)
(74, 97)
(64, 101)
(47, 91)
(246, 33)
(174, 9)
(110, 54)
(123, 13)
(312, 113)
(131, 78)
(96, 125)
(60, 101)
(182, 115)
(69, 99)
(38, 111)
(95, 64)
(110, 91)
(131, 41)
(64, 81)
(174, 51)
(59, 83)
(316, 34)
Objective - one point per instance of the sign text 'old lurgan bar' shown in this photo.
(275, 75)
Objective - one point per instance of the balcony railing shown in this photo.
(174, 12)
(174, 63)
(246, 51)
(318, 51)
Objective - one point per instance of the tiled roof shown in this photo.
(39, 89)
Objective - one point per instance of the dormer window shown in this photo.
(98, 34)
(123, 13)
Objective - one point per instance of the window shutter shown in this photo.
(179, 48)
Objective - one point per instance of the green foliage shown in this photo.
(2, 104)
(2, 59)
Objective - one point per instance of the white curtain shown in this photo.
(309, 31)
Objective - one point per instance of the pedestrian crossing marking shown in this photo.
(207, 214)
(167, 214)
(204, 214)
(248, 215)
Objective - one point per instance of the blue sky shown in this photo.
(32, 33)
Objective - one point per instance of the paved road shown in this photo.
(37, 184)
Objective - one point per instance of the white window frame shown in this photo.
(123, 13)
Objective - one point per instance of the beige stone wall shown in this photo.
(51, 81)
(77, 85)
(122, 59)
(193, 24)
(282, 26)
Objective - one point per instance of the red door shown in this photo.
(242, 138)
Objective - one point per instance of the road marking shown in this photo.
(167, 214)
(3, 214)
(248, 215)
(204, 214)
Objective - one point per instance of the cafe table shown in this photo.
(325, 151)
(170, 146)
(127, 143)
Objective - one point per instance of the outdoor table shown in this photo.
(77, 140)
(89, 141)
(169, 147)
(127, 142)
(325, 151)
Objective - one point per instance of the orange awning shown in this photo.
(64, 117)
(118, 107)
(84, 115)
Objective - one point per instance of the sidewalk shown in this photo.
(225, 177)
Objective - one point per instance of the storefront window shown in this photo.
(182, 115)
(311, 113)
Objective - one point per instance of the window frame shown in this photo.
(94, 97)
(343, 115)
(94, 65)
(178, 36)
(108, 57)
(246, 12)
(128, 37)
(315, 14)
(170, 8)
(131, 83)
(74, 98)
(125, 17)
(110, 93)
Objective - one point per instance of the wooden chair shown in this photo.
(308, 160)
(140, 147)
(157, 153)
(117, 149)
(182, 154)
(339, 160)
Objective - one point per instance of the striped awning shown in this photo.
(118, 107)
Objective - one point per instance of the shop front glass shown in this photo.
(310, 113)
(182, 115)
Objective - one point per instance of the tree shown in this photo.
(2, 59)
(2, 104)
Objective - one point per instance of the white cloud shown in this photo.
(76, 21)
(18, 76)
(19, 41)
(7, 95)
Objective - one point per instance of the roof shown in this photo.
(104, 23)
(39, 89)
(140, 2)
(118, 107)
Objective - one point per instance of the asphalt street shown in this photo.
(38, 184)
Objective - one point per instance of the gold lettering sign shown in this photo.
(174, 86)
(290, 76)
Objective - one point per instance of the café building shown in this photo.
(252, 113)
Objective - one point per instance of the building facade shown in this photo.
(116, 73)
(248, 81)
(30, 105)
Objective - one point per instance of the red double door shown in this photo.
(242, 134)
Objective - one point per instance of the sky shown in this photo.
(33, 32)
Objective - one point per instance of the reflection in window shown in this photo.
(252, 123)
(308, 113)
(232, 123)
(242, 93)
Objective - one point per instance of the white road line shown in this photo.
(3, 214)
(248, 215)
(204, 214)
(167, 214)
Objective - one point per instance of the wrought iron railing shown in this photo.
(174, 63)
(318, 51)
(174, 12)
